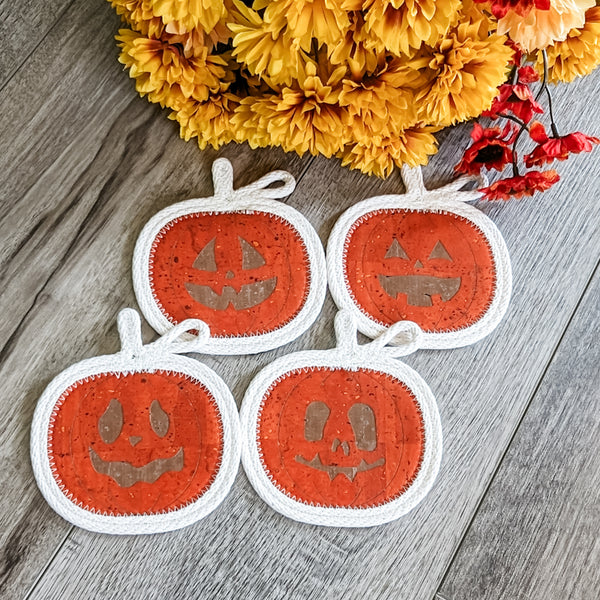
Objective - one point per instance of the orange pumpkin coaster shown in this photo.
(252, 268)
(138, 442)
(347, 437)
(426, 257)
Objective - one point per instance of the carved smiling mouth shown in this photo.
(420, 288)
(249, 295)
(125, 474)
(333, 470)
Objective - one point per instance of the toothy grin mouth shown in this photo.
(420, 288)
(249, 295)
(333, 470)
(125, 474)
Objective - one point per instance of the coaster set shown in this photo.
(147, 440)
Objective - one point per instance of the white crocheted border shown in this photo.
(256, 197)
(135, 358)
(347, 355)
(447, 199)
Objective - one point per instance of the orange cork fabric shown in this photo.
(340, 438)
(242, 273)
(135, 444)
(433, 268)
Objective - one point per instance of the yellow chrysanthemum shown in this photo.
(540, 28)
(165, 75)
(578, 55)
(306, 118)
(322, 20)
(464, 71)
(355, 50)
(384, 104)
(190, 13)
(249, 125)
(138, 15)
(209, 121)
(402, 26)
(380, 155)
(195, 40)
(267, 49)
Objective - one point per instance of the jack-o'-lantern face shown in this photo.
(241, 273)
(340, 438)
(142, 443)
(436, 269)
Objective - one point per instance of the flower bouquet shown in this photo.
(368, 81)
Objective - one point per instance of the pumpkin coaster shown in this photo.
(141, 441)
(425, 256)
(348, 437)
(249, 266)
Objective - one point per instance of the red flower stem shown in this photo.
(515, 119)
(546, 89)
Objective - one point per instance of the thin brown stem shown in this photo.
(515, 119)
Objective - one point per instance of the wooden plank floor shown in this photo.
(84, 163)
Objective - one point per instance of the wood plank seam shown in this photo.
(518, 426)
(34, 49)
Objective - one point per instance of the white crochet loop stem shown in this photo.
(348, 355)
(413, 180)
(451, 199)
(132, 346)
(163, 355)
(256, 197)
(222, 172)
(406, 336)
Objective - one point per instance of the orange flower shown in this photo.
(521, 185)
(379, 155)
(578, 54)
(209, 121)
(165, 75)
(403, 26)
(540, 28)
(307, 117)
(464, 71)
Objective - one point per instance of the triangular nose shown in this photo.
(135, 439)
(418, 265)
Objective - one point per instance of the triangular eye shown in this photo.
(251, 257)
(205, 261)
(439, 251)
(396, 251)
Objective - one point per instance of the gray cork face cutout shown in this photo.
(251, 267)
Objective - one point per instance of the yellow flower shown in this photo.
(139, 16)
(579, 54)
(190, 13)
(165, 75)
(249, 125)
(402, 26)
(464, 71)
(209, 121)
(354, 49)
(324, 20)
(379, 155)
(540, 28)
(266, 48)
(383, 104)
(306, 118)
(195, 41)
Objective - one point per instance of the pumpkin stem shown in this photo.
(413, 179)
(346, 331)
(222, 173)
(130, 332)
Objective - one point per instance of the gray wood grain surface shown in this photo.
(83, 165)
(536, 533)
